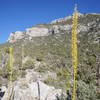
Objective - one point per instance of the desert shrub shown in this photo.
(22, 73)
(3, 72)
(53, 82)
(18, 62)
(24, 84)
(42, 69)
(64, 78)
(40, 56)
(48, 80)
(6, 50)
(98, 96)
(15, 74)
(62, 73)
(85, 91)
(28, 63)
(92, 60)
(61, 97)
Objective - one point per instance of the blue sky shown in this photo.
(20, 14)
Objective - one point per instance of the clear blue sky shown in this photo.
(20, 14)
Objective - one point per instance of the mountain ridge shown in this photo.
(44, 29)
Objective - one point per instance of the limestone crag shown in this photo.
(29, 33)
(35, 31)
(16, 36)
(48, 29)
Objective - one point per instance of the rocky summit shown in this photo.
(45, 30)
(42, 64)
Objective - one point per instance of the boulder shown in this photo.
(33, 91)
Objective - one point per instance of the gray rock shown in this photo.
(54, 29)
(37, 31)
(30, 32)
(28, 89)
(32, 91)
(16, 36)
(82, 28)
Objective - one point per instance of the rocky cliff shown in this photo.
(45, 30)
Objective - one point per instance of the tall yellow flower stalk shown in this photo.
(10, 70)
(74, 50)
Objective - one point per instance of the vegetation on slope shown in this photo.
(53, 53)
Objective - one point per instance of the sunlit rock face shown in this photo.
(61, 25)
(28, 88)
(35, 31)
(14, 36)
(29, 33)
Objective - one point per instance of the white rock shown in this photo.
(65, 28)
(35, 31)
(82, 28)
(27, 89)
(30, 32)
(32, 92)
(16, 36)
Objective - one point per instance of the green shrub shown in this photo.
(63, 73)
(23, 73)
(28, 63)
(48, 80)
(86, 91)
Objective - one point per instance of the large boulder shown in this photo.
(32, 91)
(31, 87)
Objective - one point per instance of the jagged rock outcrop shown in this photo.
(67, 28)
(43, 30)
(29, 33)
(16, 36)
(54, 29)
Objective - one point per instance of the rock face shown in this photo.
(30, 32)
(27, 89)
(58, 28)
(33, 91)
(16, 36)
(61, 25)
(82, 28)
(35, 31)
